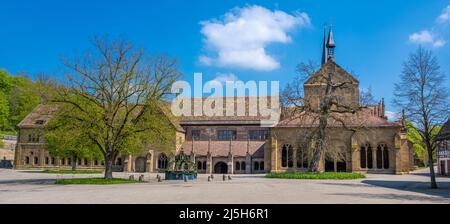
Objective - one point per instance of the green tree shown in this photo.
(65, 140)
(23, 98)
(4, 112)
(420, 151)
(114, 97)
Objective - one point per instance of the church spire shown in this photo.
(324, 48)
(331, 45)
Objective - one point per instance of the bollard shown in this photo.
(224, 177)
(229, 177)
(212, 177)
(159, 178)
(141, 178)
(209, 178)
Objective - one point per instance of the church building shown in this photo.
(368, 142)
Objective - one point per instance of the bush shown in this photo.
(317, 176)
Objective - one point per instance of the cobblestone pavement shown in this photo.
(37, 187)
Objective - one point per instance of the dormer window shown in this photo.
(40, 122)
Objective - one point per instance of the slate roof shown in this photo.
(444, 134)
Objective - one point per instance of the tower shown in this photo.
(331, 45)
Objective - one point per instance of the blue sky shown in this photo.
(373, 37)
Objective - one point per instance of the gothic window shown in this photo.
(284, 155)
(69, 161)
(369, 157)
(379, 157)
(85, 162)
(47, 160)
(196, 135)
(290, 157)
(199, 165)
(366, 157)
(53, 161)
(27, 160)
(36, 160)
(243, 166)
(302, 158)
(96, 163)
(386, 157)
(162, 161)
(63, 161)
(79, 162)
(204, 165)
(238, 166)
(261, 165)
(256, 166)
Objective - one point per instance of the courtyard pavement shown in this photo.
(37, 187)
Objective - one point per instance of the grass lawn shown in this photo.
(95, 181)
(317, 176)
(73, 171)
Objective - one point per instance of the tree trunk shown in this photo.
(74, 163)
(431, 165)
(108, 166)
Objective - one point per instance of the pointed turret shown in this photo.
(331, 45)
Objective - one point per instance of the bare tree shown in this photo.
(114, 96)
(329, 107)
(424, 98)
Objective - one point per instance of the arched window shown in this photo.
(369, 157)
(243, 166)
(162, 161)
(36, 160)
(47, 160)
(287, 154)
(119, 162)
(27, 160)
(379, 157)
(96, 162)
(284, 155)
(63, 161)
(256, 166)
(85, 162)
(204, 165)
(261, 165)
(238, 166)
(79, 162)
(363, 156)
(386, 157)
(69, 161)
(53, 160)
(366, 157)
(199, 165)
(302, 158)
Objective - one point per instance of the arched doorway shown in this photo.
(221, 168)
(139, 165)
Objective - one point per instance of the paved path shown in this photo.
(35, 187)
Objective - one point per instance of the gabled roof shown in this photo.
(339, 73)
(222, 148)
(444, 134)
(39, 117)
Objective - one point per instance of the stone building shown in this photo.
(242, 145)
(443, 150)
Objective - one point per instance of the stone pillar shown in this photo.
(248, 164)
(274, 157)
(18, 156)
(209, 164)
(41, 156)
(127, 164)
(149, 163)
(294, 159)
(230, 163)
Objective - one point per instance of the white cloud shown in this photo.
(445, 15)
(224, 78)
(392, 116)
(426, 37)
(240, 38)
